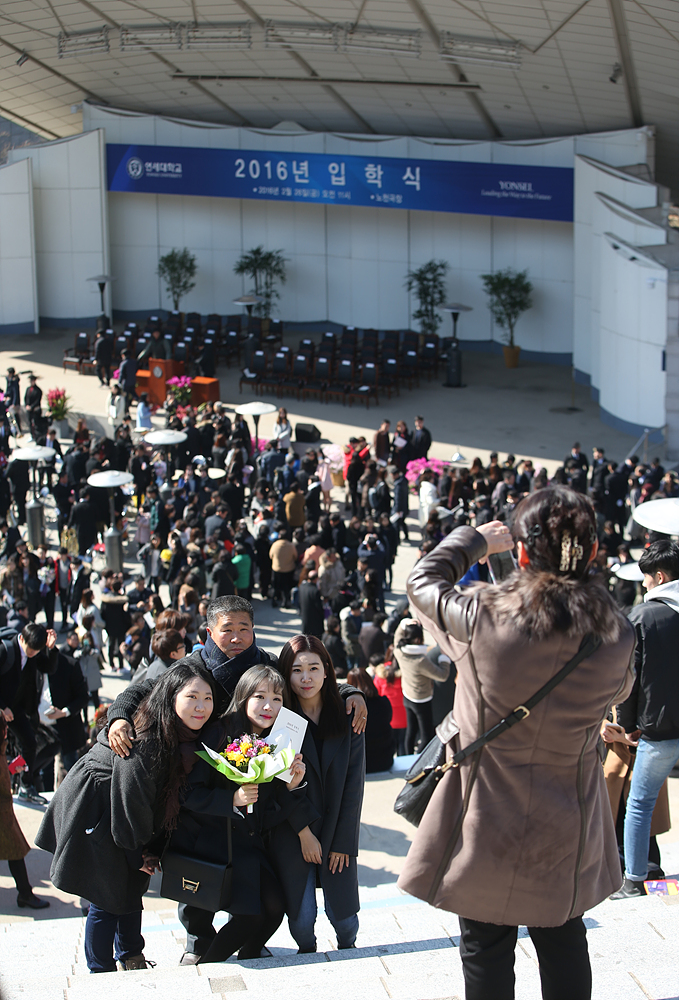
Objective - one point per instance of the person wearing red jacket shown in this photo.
(388, 682)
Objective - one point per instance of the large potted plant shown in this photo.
(59, 409)
(178, 269)
(509, 295)
(428, 283)
(265, 268)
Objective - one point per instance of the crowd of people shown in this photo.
(212, 528)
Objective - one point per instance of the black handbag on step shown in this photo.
(204, 884)
(423, 776)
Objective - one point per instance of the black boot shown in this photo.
(630, 887)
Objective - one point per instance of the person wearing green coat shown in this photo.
(242, 564)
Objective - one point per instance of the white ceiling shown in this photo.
(568, 50)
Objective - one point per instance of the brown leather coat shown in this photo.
(521, 832)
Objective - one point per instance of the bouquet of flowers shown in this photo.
(249, 760)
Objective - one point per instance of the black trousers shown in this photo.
(487, 952)
(420, 719)
(247, 935)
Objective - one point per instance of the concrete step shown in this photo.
(406, 951)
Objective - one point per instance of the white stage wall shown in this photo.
(71, 226)
(18, 288)
(348, 264)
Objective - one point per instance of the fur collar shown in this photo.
(542, 603)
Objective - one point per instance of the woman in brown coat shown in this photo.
(13, 845)
(521, 832)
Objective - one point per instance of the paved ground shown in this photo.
(406, 949)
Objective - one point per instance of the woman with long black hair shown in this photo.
(335, 757)
(109, 809)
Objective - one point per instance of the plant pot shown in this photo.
(337, 478)
(511, 356)
(63, 429)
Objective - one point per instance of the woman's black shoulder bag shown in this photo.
(424, 775)
(199, 883)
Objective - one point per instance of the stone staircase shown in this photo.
(406, 951)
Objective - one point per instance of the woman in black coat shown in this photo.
(256, 902)
(109, 808)
(335, 759)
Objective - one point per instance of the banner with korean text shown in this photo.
(521, 191)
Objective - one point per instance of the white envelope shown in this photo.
(288, 730)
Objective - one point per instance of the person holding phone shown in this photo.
(327, 848)
(418, 674)
(520, 832)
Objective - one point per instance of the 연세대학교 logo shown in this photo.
(135, 168)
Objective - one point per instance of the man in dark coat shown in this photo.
(80, 580)
(75, 463)
(128, 378)
(69, 696)
(311, 605)
(420, 439)
(17, 473)
(599, 473)
(233, 495)
(217, 523)
(9, 536)
(83, 519)
(229, 651)
(117, 621)
(577, 456)
(371, 638)
(24, 660)
(103, 353)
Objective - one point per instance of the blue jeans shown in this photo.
(302, 927)
(653, 764)
(109, 934)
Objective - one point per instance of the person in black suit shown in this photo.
(103, 354)
(33, 402)
(615, 492)
(9, 536)
(22, 660)
(577, 456)
(75, 464)
(420, 439)
(599, 472)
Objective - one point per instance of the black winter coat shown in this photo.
(103, 813)
(653, 705)
(311, 609)
(115, 614)
(68, 689)
(335, 790)
(208, 803)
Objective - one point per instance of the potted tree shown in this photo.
(509, 295)
(265, 268)
(178, 269)
(428, 284)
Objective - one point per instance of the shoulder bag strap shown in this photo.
(588, 646)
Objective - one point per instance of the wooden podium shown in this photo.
(153, 379)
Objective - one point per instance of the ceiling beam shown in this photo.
(27, 123)
(54, 72)
(550, 36)
(322, 80)
(474, 99)
(307, 68)
(624, 47)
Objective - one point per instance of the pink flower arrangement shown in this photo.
(179, 386)
(415, 469)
